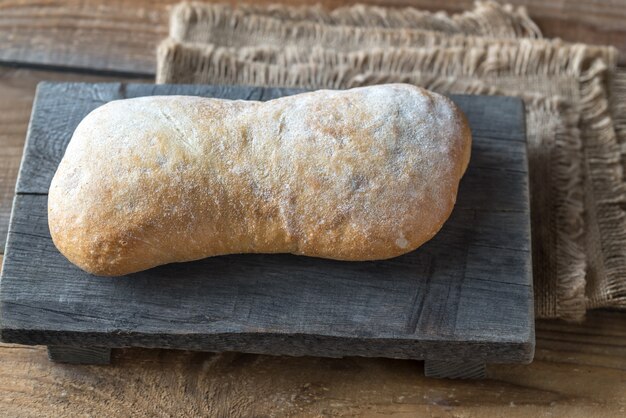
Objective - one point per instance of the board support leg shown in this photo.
(79, 355)
(455, 369)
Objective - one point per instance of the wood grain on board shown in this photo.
(121, 35)
(445, 301)
(579, 372)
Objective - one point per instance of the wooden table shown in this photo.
(579, 371)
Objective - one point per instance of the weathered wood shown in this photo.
(465, 294)
(455, 369)
(121, 35)
(17, 91)
(79, 355)
(430, 300)
(579, 371)
(117, 35)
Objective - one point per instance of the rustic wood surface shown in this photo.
(579, 370)
(442, 302)
(121, 35)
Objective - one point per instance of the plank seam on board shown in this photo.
(496, 281)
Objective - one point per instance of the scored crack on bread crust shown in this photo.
(361, 174)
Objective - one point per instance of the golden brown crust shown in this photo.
(362, 174)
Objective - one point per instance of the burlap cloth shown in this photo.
(575, 110)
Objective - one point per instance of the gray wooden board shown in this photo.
(466, 294)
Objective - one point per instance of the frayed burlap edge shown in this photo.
(557, 161)
(618, 110)
(496, 59)
(615, 286)
(233, 31)
(224, 26)
(486, 19)
(439, 69)
(606, 281)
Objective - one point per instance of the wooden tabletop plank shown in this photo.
(116, 35)
(121, 35)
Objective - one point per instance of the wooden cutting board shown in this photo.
(462, 300)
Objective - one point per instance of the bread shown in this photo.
(362, 174)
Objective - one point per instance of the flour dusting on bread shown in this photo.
(361, 174)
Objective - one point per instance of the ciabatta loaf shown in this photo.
(362, 174)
